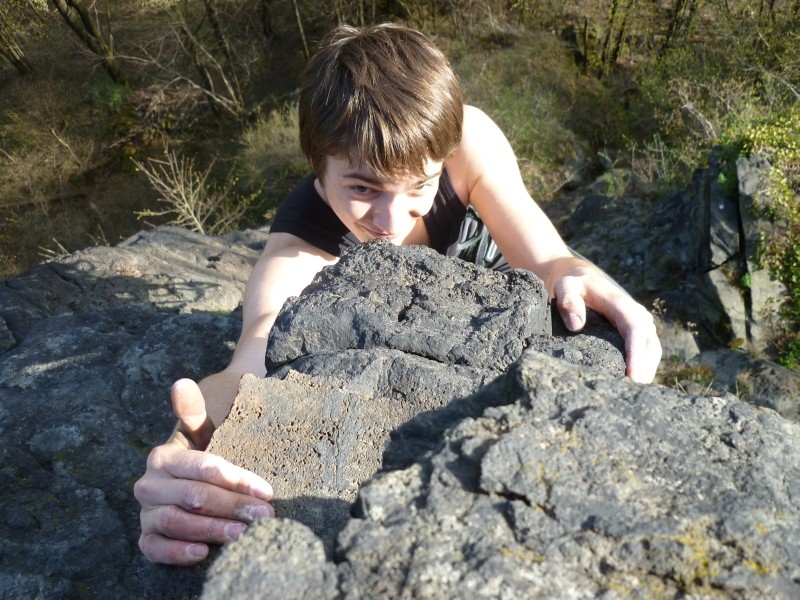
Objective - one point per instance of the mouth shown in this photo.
(378, 234)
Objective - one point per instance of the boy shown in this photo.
(395, 154)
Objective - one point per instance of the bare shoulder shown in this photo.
(483, 149)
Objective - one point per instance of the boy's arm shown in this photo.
(190, 498)
(488, 175)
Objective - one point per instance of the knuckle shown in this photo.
(195, 498)
(157, 457)
(210, 469)
(141, 488)
(146, 546)
(170, 518)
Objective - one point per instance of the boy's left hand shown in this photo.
(633, 321)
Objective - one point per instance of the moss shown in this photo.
(522, 554)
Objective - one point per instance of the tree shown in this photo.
(18, 19)
(87, 27)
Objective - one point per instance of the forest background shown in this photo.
(117, 115)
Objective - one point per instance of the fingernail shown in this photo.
(234, 530)
(197, 550)
(251, 513)
(572, 321)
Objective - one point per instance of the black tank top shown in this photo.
(305, 214)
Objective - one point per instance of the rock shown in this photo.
(455, 487)
(386, 366)
(763, 294)
(676, 340)
(424, 306)
(760, 382)
(694, 254)
(551, 480)
(280, 559)
(95, 340)
(587, 485)
(584, 485)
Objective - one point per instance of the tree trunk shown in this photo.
(616, 49)
(266, 19)
(80, 21)
(10, 50)
(612, 15)
(300, 29)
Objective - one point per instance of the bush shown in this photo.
(270, 158)
(191, 199)
(778, 140)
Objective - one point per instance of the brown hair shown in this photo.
(383, 96)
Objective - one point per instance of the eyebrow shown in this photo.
(378, 182)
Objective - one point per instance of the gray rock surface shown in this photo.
(584, 485)
(280, 559)
(423, 306)
(93, 342)
(692, 254)
(588, 486)
(391, 363)
(555, 481)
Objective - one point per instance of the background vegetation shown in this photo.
(118, 114)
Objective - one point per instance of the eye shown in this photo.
(361, 190)
(427, 184)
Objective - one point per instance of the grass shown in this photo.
(527, 84)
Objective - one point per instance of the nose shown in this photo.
(393, 212)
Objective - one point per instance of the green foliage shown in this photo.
(527, 85)
(674, 372)
(108, 95)
(270, 158)
(778, 140)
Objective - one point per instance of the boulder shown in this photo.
(365, 367)
(581, 485)
(536, 479)
(93, 342)
(425, 454)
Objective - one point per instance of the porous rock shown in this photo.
(416, 301)
(374, 362)
(280, 559)
(92, 343)
(585, 485)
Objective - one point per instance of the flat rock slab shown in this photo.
(316, 438)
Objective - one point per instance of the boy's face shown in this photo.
(372, 207)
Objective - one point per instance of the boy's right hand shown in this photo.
(191, 498)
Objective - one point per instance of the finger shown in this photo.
(190, 408)
(643, 354)
(210, 468)
(176, 524)
(197, 497)
(570, 292)
(160, 549)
